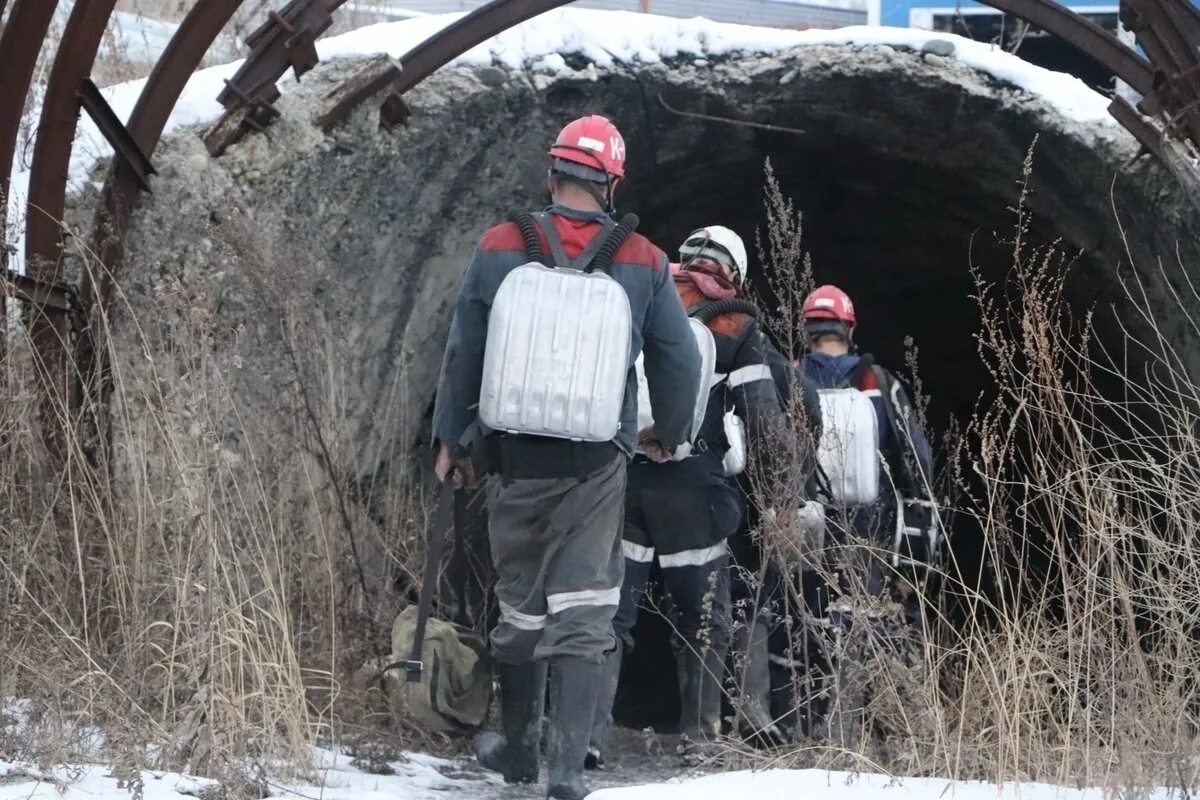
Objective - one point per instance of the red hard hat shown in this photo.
(592, 142)
(829, 302)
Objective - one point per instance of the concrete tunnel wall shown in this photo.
(905, 173)
(353, 243)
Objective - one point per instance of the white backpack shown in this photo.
(734, 460)
(848, 452)
(708, 366)
(557, 354)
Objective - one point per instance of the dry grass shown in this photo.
(217, 583)
(1074, 659)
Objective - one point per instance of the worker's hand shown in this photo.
(461, 469)
(811, 518)
(649, 446)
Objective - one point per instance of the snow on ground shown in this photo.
(417, 777)
(137, 38)
(605, 37)
(811, 783)
(91, 782)
(424, 777)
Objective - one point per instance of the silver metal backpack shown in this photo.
(557, 353)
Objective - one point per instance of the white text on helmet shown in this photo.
(589, 143)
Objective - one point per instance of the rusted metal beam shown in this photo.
(372, 78)
(457, 38)
(19, 46)
(1084, 35)
(286, 40)
(1142, 129)
(110, 126)
(52, 297)
(181, 58)
(56, 133)
(1170, 35)
(51, 333)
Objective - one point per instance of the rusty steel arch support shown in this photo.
(20, 43)
(183, 55)
(1085, 36)
(51, 332)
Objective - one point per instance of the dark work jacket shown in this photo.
(660, 330)
(744, 357)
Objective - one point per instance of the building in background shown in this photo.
(798, 14)
(986, 24)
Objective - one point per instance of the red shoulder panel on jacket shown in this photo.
(505, 236)
(637, 249)
(732, 325)
(870, 380)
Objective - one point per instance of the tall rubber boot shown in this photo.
(522, 702)
(701, 672)
(602, 721)
(574, 687)
(755, 703)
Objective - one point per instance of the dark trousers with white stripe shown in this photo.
(556, 546)
(685, 527)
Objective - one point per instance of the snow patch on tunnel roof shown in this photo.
(612, 37)
(607, 38)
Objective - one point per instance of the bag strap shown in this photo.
(855, 375)
(906, 452)
(546, 223)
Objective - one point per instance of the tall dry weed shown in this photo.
(1073, 658)
(216, 582)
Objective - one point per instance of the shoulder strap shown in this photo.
(546, 223)
(855, 375)
(555, 241)
(900, 434)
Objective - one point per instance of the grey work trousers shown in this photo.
(556, 548)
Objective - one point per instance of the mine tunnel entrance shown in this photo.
(905, 168)
(903, 202)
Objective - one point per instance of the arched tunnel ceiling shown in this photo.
(364, 233)
(286, 41)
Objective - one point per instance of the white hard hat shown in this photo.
(718, 243)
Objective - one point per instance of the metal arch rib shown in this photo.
(457, 38)
(1084, 35)
(163, 88)
(19, 46)
(56, 133)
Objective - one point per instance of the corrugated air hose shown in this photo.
(612, 244)
(731, 306)
(533, 242)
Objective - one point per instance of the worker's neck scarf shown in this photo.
(714, 287)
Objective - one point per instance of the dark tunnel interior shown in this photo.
(900, 215)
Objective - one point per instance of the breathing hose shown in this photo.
(604, 256)
(533, 242)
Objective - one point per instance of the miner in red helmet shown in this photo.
(833, 363)
(556, 499)
(873, 454)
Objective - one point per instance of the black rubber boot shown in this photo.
(602, 721)
(701, 680)
(574, 688)
(754, 706)
(522, 701)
